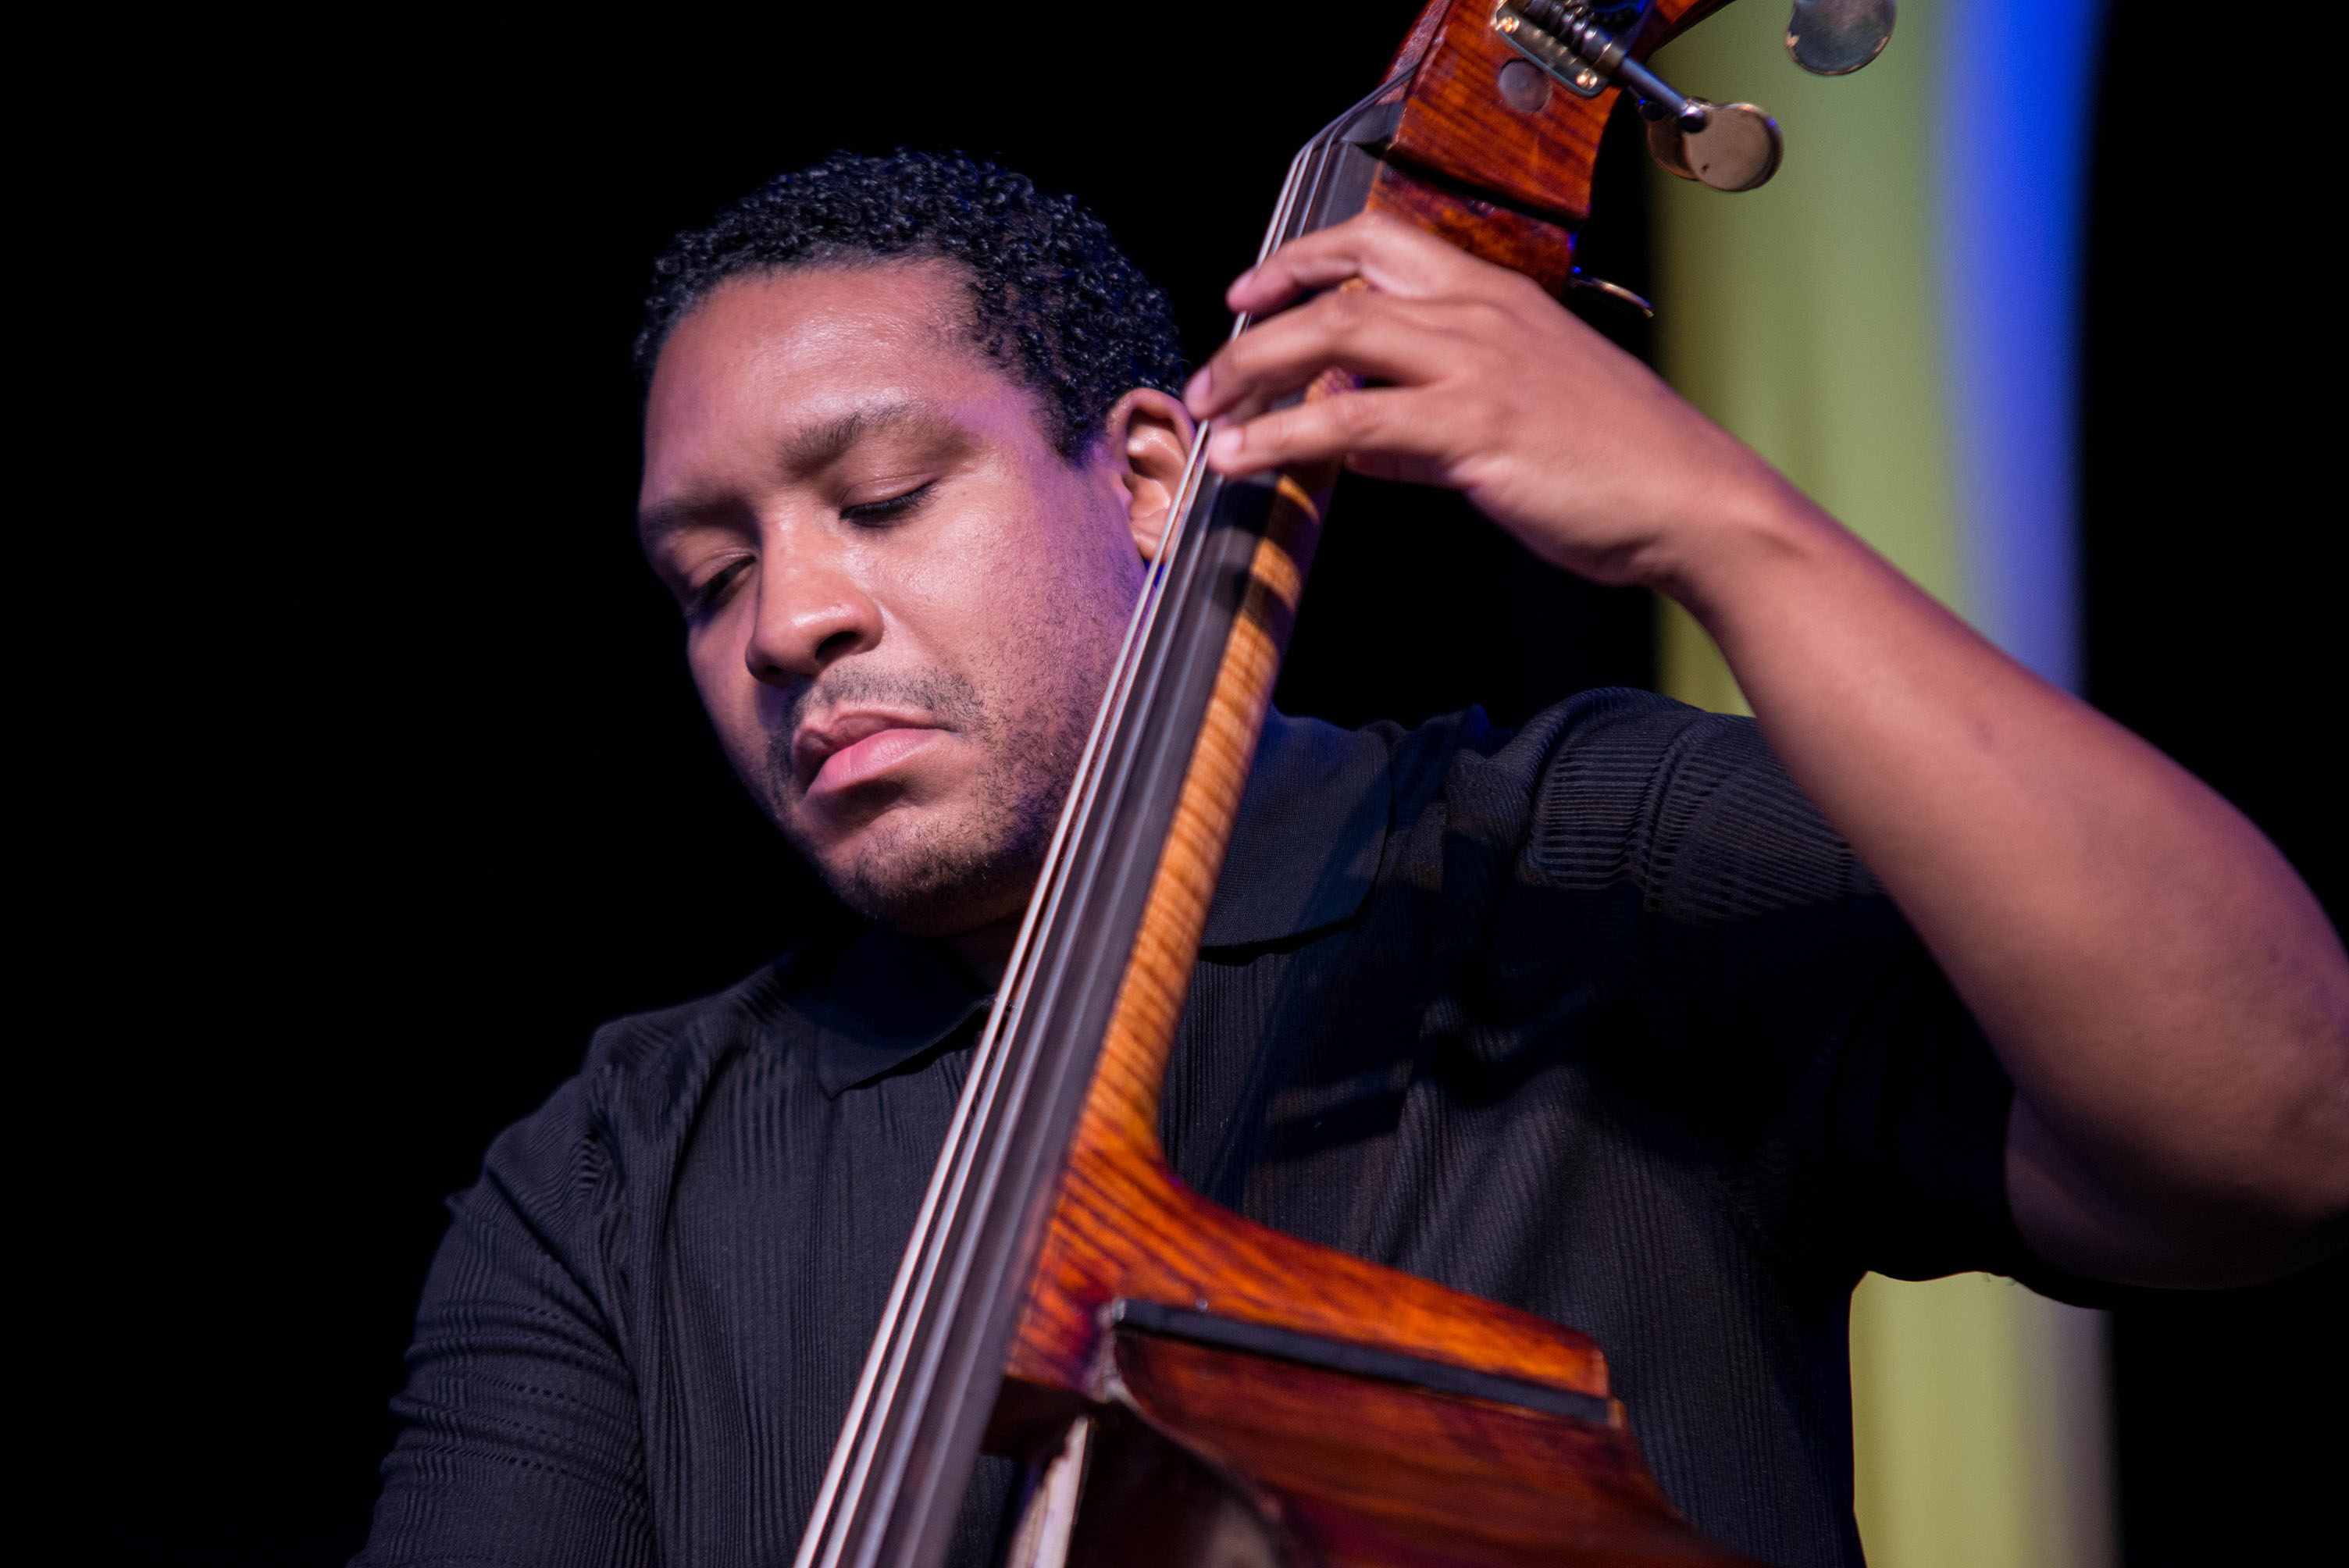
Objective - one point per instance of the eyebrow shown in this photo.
(817, 446)
(813, 449)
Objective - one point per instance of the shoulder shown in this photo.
(1617, 812)
(1620, 743)
(1694, 806)
(1607, 757)
(655, 1056)
(632, 1103)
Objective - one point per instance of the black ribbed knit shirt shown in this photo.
(1598, 1018)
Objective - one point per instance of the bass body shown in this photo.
(1188, 1387)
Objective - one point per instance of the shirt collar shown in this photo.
(1312, 828)
(1304, 853)
(879, 1001)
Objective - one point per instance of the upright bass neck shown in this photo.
(1061, 1280)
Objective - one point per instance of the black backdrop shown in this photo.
(442, 799)
(2212, 576)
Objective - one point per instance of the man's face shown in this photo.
(901, 604)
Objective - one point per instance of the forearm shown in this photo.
(2167, 997)
(2169, 1001)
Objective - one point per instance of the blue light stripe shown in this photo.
(2017, 88)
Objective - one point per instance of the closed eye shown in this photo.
(702, 601)
(871, 513)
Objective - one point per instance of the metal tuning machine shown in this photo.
(1736, 149)
(1730, 147)
(1836, 38)
(1616, 293)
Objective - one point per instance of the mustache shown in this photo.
(949, 699)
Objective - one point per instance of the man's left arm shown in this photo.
(2167, 997)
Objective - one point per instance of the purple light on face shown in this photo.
(2017, 88)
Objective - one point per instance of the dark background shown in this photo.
(419, 791)
(2212, 587)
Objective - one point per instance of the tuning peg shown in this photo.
(1734, 147)
(1578, 279)
(1836, 38)
(1563, 37)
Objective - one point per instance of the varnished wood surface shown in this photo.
(1668, 18)
(1500, 182)
(1122, 1225)
(1457, 125)
(1366, 1472)
(1456, 122)
(1543, 250)
(1354, 1473)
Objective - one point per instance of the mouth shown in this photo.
(853, 748)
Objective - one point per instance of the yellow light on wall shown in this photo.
(1803, 318)
(1979, 1421)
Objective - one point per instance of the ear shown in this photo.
(1148, 440)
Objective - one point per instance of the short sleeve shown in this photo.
(520, 1440)
(1788, 1017)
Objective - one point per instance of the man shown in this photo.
(1663, 1025)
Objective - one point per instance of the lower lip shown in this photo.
(867, 759)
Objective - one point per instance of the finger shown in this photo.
(1389, 255)
(1390, 422)
(1379, 338)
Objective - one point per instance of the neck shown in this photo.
(987, 948)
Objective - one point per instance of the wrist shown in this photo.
(1740, 543)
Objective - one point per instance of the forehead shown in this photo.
(762, 356)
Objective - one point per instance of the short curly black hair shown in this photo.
(1054, 301)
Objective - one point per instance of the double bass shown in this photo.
(1187, 1387)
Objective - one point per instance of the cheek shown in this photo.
(1024, 596)
(1021, 608)
(970, 602)
(729, 693)
(1064, 556)
(706, 655)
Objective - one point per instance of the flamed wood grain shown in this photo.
(1122, 1224)
(1543, 250)
(1456, 122)
(1362, 1472)
(1457, 125)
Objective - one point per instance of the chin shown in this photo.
(928, 883)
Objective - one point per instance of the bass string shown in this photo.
(1044, 913)
(1033, 934)
(917, 1275)
(1018, 1061)
(914, 1301)
(919, 1303)
(1134, 655)
(942, 1201)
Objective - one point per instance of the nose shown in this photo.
(810, 616)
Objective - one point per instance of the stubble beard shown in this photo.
(933, 873)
